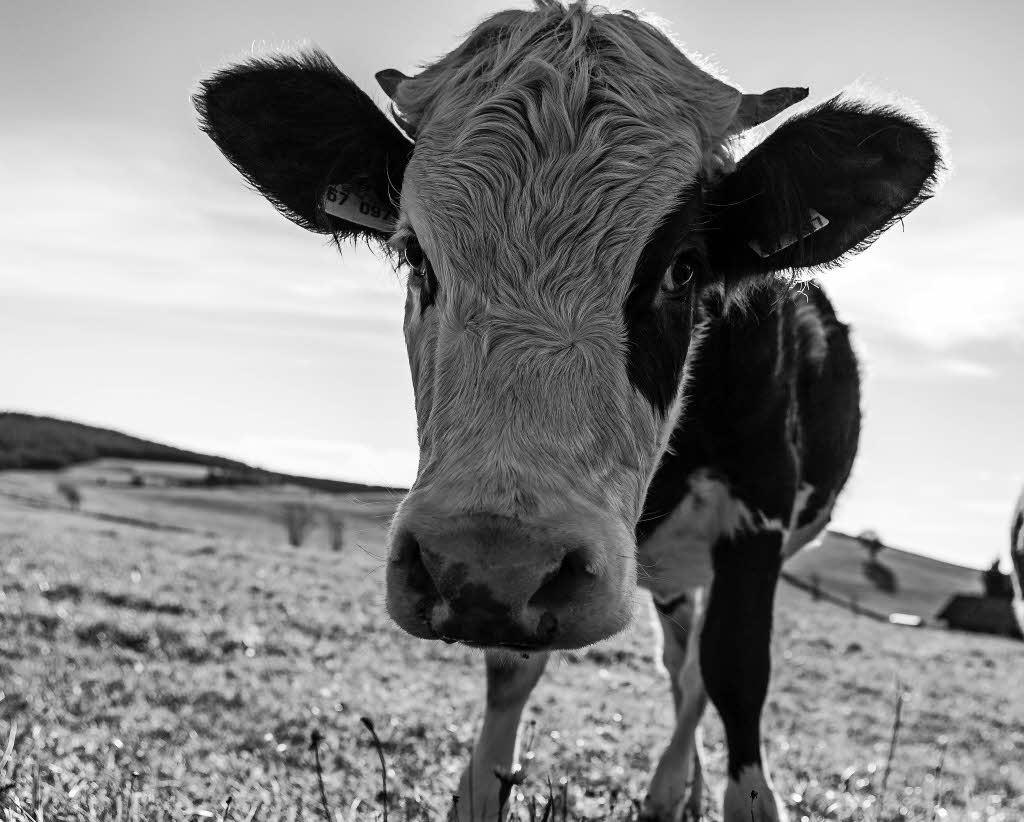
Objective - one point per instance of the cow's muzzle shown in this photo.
(494, 581)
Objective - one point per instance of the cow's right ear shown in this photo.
(309, 140)
(822, 186)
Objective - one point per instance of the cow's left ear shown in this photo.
(826, 183)
(309, 140)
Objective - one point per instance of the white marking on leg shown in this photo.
(509, 683)
(751, 797)
(677, 786)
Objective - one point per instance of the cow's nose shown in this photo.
(491, 581)
(486, 597)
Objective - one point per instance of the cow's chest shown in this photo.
(676, 556)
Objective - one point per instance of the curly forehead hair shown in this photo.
(600, 106)
(615, 56)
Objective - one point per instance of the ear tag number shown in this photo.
(815, 222)
(360, 207)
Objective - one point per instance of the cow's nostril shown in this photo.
(409, 557)
(564, 582)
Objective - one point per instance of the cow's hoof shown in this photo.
(686, 810)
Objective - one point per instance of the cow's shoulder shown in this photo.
(771, 412)
(733, 421)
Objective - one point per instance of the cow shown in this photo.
(624, 376)
(1017, 559)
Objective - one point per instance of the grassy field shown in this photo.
(164, 650)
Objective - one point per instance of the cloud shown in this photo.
(960, 367)
(885, 352)
(143, 222)
(939, 288)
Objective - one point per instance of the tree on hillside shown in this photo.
(336, 530)
(872, 542)
(877, 573)
(881, 576)
(72, 496)
(997, 584)
(298, 520)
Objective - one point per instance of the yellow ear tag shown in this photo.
(360, 207)
(816, 222)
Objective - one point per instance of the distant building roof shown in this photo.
(989, 615)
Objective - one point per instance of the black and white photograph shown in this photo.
(511, 411)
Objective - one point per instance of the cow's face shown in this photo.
(567, 199)
(547, 318)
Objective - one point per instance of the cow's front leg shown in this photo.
(677, 788)
(735, 658)
(510, 679)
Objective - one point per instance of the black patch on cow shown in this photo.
(828, 396)
(421, 272)
(862, 167)
(293, 124)
(428, 288)
(735, 640)
(761, 430)
(658, 328)
(736, 420)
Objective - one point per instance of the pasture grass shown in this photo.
(168, 674)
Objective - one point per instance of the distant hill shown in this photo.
(46, 443)
(900, 581)
(918, 585)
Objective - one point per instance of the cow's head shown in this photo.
(562, 193)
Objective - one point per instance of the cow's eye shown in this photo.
(421, 275)
(679, 276)
(414, 256)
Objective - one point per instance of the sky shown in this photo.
(143, 287)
